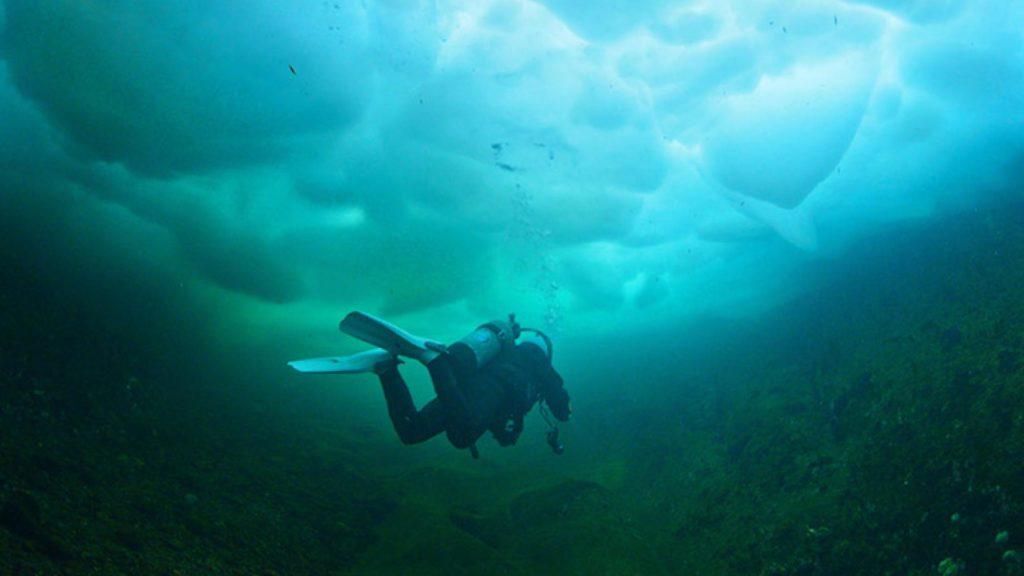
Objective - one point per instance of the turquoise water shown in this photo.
(778, 248)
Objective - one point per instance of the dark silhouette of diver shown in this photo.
(472, 401)
(487, 381)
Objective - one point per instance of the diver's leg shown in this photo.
(412, 426)
(459, 419)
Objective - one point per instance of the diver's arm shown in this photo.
(508, 431)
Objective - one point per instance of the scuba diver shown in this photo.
(487, 381)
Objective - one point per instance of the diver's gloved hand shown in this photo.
(388, 365)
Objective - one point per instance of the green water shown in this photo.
(870, 426)
(778, 246)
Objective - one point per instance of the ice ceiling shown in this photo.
(565, 157)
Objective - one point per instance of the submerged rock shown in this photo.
(950, 567)
(1012, 563)
(579, 527)
(485, 529)
(574, 499)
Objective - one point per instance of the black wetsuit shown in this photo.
(470, 402)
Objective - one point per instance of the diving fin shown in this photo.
(390, 337)
(354, 364)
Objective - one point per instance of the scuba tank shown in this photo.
(489, 340)
(482, 345)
